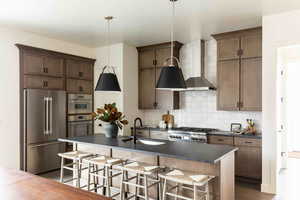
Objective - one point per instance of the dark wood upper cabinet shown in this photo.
(79, 69)
(239, 70)
(79, 86)
(43, 82)
(251, 46)
(39, 64)
(228, 48)
(151, 59)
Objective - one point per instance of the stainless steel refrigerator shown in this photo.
(44, 123)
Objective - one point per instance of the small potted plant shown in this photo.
(111, 119)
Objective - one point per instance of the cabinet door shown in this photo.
(53, 66)
(166, 100)
(248, 162)
(79, 69)
(146, 59)
(43, 157)
(147, 88)
(228, 85)
(40, 82)
(86, 71)
(251, 46)
(251, 84)
(161, 55)
(228, 48)
(33, 63)
(79, 86)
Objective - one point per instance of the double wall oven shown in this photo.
(80, 122)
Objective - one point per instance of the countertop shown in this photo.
(22, 185)
(219, 132)
(201, 152)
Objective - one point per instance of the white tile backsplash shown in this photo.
(199, 108)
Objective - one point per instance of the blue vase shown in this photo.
(110, 129)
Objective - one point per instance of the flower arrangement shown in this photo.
(111, 115)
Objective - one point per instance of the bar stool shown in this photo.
(75, 166)
(104, 164)
(145, 177)
(197, 183)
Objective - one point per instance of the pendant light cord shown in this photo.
(108, 41)
(172, 32)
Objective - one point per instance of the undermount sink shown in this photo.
(151, 142)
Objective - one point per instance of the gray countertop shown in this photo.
(219, 132)
(201, 152)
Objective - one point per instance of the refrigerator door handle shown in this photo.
(45, 115)
(50, 110)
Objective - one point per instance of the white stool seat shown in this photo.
(75, 155)
(140, 168)
(103, 160)
(186, 177)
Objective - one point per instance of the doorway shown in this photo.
(289, 103)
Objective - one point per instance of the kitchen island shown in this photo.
(216, 160)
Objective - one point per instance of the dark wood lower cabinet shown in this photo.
(40, 82)
(79, 86)
(248, 161)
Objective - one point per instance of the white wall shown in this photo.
(198, 108)
(278, 31)
(130, 85)
(9, 85)
(124, 58)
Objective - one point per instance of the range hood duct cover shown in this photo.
(200, 83)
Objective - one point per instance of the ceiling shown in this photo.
(137, 22)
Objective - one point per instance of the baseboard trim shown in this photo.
(268, 188)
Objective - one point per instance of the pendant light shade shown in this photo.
(108, 81)
(171, 77)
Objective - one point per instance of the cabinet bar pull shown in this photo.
(220, 140)
(80, 74)
(248, 142)
(45, 84)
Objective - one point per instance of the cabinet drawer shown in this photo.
(79, 86)
(79, 70)
(238, 141)
(228, 140)
(38, 64)
(39, 82)
(43, 157)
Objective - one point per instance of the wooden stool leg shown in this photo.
(108, 182)
(164, 190)
(77, 173)
(62, 170)
(146, 187)
(207, 197)
(89, 177)
(122, 186)
(195, 192)
(103, 181)
(177, 190)
(136, 188)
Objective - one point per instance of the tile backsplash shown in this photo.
(199, 108)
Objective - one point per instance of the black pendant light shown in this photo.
(171, 77)
(108, 81)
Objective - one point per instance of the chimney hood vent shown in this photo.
(200, 83)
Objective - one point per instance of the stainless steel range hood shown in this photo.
(200, 83)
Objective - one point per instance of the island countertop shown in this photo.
(208, 153)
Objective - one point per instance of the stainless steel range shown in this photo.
(189, 134)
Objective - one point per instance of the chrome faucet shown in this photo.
(134, 128)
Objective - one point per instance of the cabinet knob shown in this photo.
(155, 104)
(80, 74)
